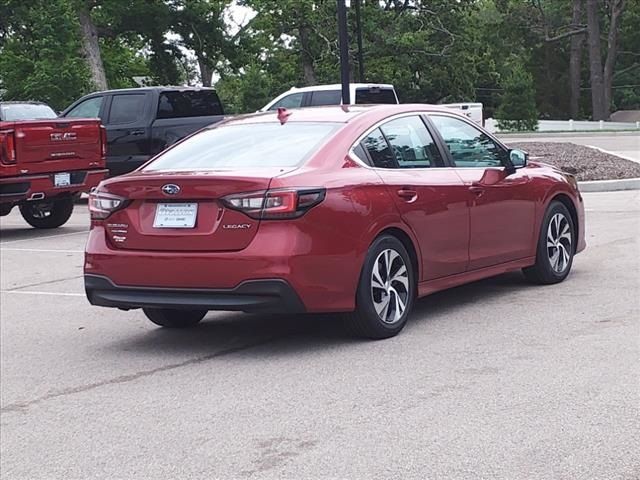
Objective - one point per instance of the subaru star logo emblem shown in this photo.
(170, 189)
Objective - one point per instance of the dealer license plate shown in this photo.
(175, 215)
(62, 179)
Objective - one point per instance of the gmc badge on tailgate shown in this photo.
(61, 137)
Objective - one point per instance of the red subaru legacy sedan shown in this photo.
(359, 210)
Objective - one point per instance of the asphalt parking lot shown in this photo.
(497, 379)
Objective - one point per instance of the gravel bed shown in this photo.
(584, 162)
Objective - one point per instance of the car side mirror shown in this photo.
(518, 158)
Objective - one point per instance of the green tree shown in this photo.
(202, 29)
(517, 111)
(40, 55)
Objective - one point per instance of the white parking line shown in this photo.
(46, 236)
(3, 249)
(31, 292)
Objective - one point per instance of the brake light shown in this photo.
(102, 204)
(275, 204)
(7, 147)
(103, 140)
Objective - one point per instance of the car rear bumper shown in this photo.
(324, 275)
(265, 296)
(39, 187)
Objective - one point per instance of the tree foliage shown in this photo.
(432, 51)
(39, 53)
(517, 111)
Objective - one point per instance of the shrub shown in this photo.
(517, 111)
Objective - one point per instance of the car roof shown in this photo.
(338, 86)
(155, 88)
(337, 113)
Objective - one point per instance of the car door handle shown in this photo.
(477, 189)
(136, 132)
(407, 194)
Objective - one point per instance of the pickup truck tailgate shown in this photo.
(40, 141)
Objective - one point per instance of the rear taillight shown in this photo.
(103, 140)
(7, 147)
(102, 204)
(276, 204)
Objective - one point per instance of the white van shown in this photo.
(360, 93)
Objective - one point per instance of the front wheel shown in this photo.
(386, 290)
(49, 213)
(556, 247)
(170, 318)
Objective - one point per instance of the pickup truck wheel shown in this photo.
(47, 214)
(5, 209)
(170, 318)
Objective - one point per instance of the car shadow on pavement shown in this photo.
(221, 333)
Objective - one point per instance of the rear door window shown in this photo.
(326, 97)
(126, 108)
(194, 103)
(411, 143)
(375, 95)
(378, 148)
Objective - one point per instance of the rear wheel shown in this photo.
(386, 290)
(5, 209)
(47, 214)
(556, 246)
(170, 318)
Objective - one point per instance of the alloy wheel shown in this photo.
(390, 286)
(559, 243)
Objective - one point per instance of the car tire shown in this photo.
(170, 318)
(555, 248)
(387, 282)
(49, 213)
(5, 209)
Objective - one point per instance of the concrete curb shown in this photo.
(610, 185)
(566, 133)
(625, 157)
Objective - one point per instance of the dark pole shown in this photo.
(343, 37)
(359, 37)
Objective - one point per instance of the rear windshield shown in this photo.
(191, 103)
(245, 146)
(375, 95)
(12, 112)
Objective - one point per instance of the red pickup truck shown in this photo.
(46, 161)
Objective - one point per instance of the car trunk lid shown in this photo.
(184, 211)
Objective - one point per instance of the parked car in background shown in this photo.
(359, 210)
(45, 161)
(359, 94)
(319, 95)
(142, 122)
